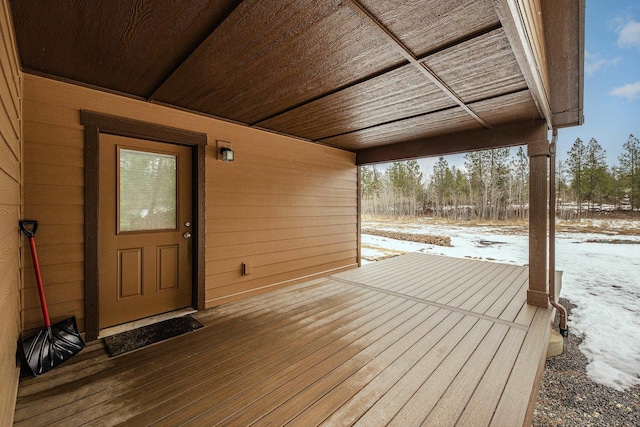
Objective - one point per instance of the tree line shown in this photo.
(585, 180)
(494, 185)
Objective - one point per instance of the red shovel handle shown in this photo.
(29, 228)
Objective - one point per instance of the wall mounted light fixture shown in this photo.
(226, 154)
(223, 150)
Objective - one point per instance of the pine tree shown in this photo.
(405, 181)
(366, 181)
(520, 171)
(476, 163)
(575, 166)
(596, 177)
(630, 169)
(371, 186)
(460, 193)
(562, 188)
(616, 192)
(439, 184)
(488, 170)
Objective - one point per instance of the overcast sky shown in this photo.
(611, 81)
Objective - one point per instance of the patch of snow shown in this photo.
(605, 224)
(371, 253)
(602, 279)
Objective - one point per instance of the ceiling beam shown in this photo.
(508, 135)
(404, 51)
(521, 25)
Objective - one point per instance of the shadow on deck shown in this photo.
(417, 339)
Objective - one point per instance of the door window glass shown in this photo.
(147, 191)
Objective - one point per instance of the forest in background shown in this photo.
(494, 185)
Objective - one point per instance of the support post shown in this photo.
(359, 216)
(538, 160)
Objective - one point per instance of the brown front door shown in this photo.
(144, 228)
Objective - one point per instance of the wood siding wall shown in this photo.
(10, 180)
(286, 207)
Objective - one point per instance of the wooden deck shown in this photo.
(413, 340)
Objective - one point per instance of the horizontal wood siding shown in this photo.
(10, 179)
(287, 212)
(286, 207)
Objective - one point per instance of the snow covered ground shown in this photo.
(601, 278)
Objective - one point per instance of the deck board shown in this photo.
(431, 390)
(243, 367)
(374, 380)
(413, 340)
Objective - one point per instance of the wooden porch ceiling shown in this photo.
(352, 74)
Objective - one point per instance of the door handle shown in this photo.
(186, 235)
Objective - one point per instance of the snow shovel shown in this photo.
(52, 345)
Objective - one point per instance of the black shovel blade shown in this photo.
(52, 346)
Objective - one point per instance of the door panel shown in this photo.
(129, 273)
(168, 267)
(144, 241)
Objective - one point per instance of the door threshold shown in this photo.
(107, 332)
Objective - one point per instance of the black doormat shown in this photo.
(137, 338)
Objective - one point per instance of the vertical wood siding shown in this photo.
(10, 179)
(286, 207)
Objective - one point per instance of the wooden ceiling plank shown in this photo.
(507, 135)
(455, 115)
(328, 94)
(396, 95)
(272, 54)
(192, 48)
(516, 106)
(466, 38)
(479, 68)
(424, 69)
(524, 41)
(438, 123)
(125, 46)
(427, 27)
(309, 118)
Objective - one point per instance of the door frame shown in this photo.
(96, 123)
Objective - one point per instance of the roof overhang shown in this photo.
(389, 78)
(564, 43)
